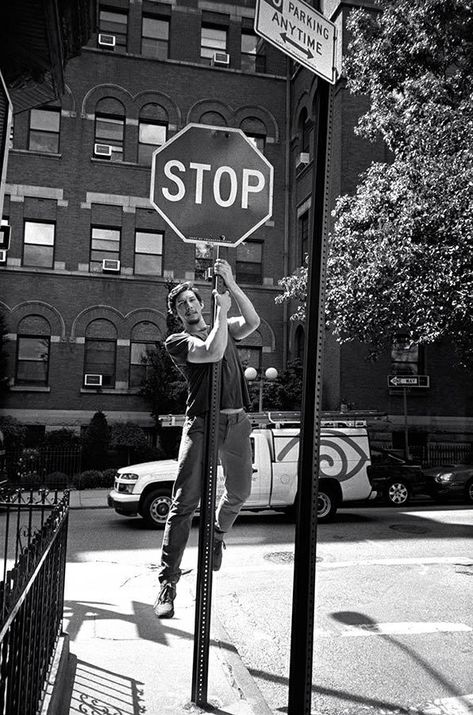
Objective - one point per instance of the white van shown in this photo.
(146, 489)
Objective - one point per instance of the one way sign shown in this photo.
(408, 381)
(301, 32)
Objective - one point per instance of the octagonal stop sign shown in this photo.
(212, 184)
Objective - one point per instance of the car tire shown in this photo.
(155, 508)
(397, 493)
(327, 504)
(469, 492)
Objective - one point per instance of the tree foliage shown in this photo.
(96, 442)
(400, 252)
(164, 386)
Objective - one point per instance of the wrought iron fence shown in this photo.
(437, 453)
(33, 526)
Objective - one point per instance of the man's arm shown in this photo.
(248, 320)
(213, 348)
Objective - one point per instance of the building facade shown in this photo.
(85, 281)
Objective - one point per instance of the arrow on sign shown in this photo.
(304, 50)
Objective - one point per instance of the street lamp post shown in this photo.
(270, 374)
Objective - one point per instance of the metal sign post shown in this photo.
(303, 605)
(206, 534)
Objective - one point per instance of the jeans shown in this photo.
(235, 454)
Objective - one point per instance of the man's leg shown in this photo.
(235, 453)
(186, 495)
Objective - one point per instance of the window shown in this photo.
(155, 38)
(110, 130)
(212, 40)
(305, 127)
(32, 362)
(114, 23)
(38, 248)
(140, 361)
(44, 130)
(406, 356)
(203, 260)
(248, 262)
(149, 253)
(105, 243)
(255, 130)
(303, 228)
(100, 351)
(150, 137)
(144, 337)
(251, 61)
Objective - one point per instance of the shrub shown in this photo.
(108, 478)
(89, 479)
(61, 438)
(57, 480)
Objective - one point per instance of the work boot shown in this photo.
(164, 605)
(219, 545)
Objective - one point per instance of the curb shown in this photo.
(238, 674)
(58, 679)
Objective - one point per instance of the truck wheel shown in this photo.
(397, 493)
(327, 504)
(156, 507)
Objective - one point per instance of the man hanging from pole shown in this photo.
(194, 350)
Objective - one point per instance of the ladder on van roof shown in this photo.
(274, 420)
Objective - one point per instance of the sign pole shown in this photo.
(406, 428)
(302, 632)
(200, 669)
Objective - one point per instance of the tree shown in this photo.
(164, 386)
(400, 250)
(127, 436)
(14, 433)
(96, 442)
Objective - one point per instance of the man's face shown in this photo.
(188, 308)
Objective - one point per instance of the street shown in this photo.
(394, 627)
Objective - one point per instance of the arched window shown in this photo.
(152, 131)
(32, 354)
(144, 337)
(215, 119)
(100, 352)
(110, 128)
(255, 130)
(304, 131)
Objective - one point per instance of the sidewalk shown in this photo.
(126, 661)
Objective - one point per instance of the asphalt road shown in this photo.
(394, 588)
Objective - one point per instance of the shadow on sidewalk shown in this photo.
(96, 690)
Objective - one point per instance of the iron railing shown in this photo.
(33, 525)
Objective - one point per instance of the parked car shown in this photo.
(395, 480)
(449, 481)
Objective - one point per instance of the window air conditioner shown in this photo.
(303, 158)
(111, 265)
(93, 380)
(104, 151)
(107, 40)
(221, 58)
(3, 256)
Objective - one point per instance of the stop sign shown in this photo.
(212, 184)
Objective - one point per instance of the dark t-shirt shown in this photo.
(234, 392)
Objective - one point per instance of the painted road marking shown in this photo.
(457, 560)
(402, 628)
(449, 706)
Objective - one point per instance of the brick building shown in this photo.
(85, 280)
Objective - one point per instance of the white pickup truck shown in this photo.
(146, 489)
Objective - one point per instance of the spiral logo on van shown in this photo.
(341, 458)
